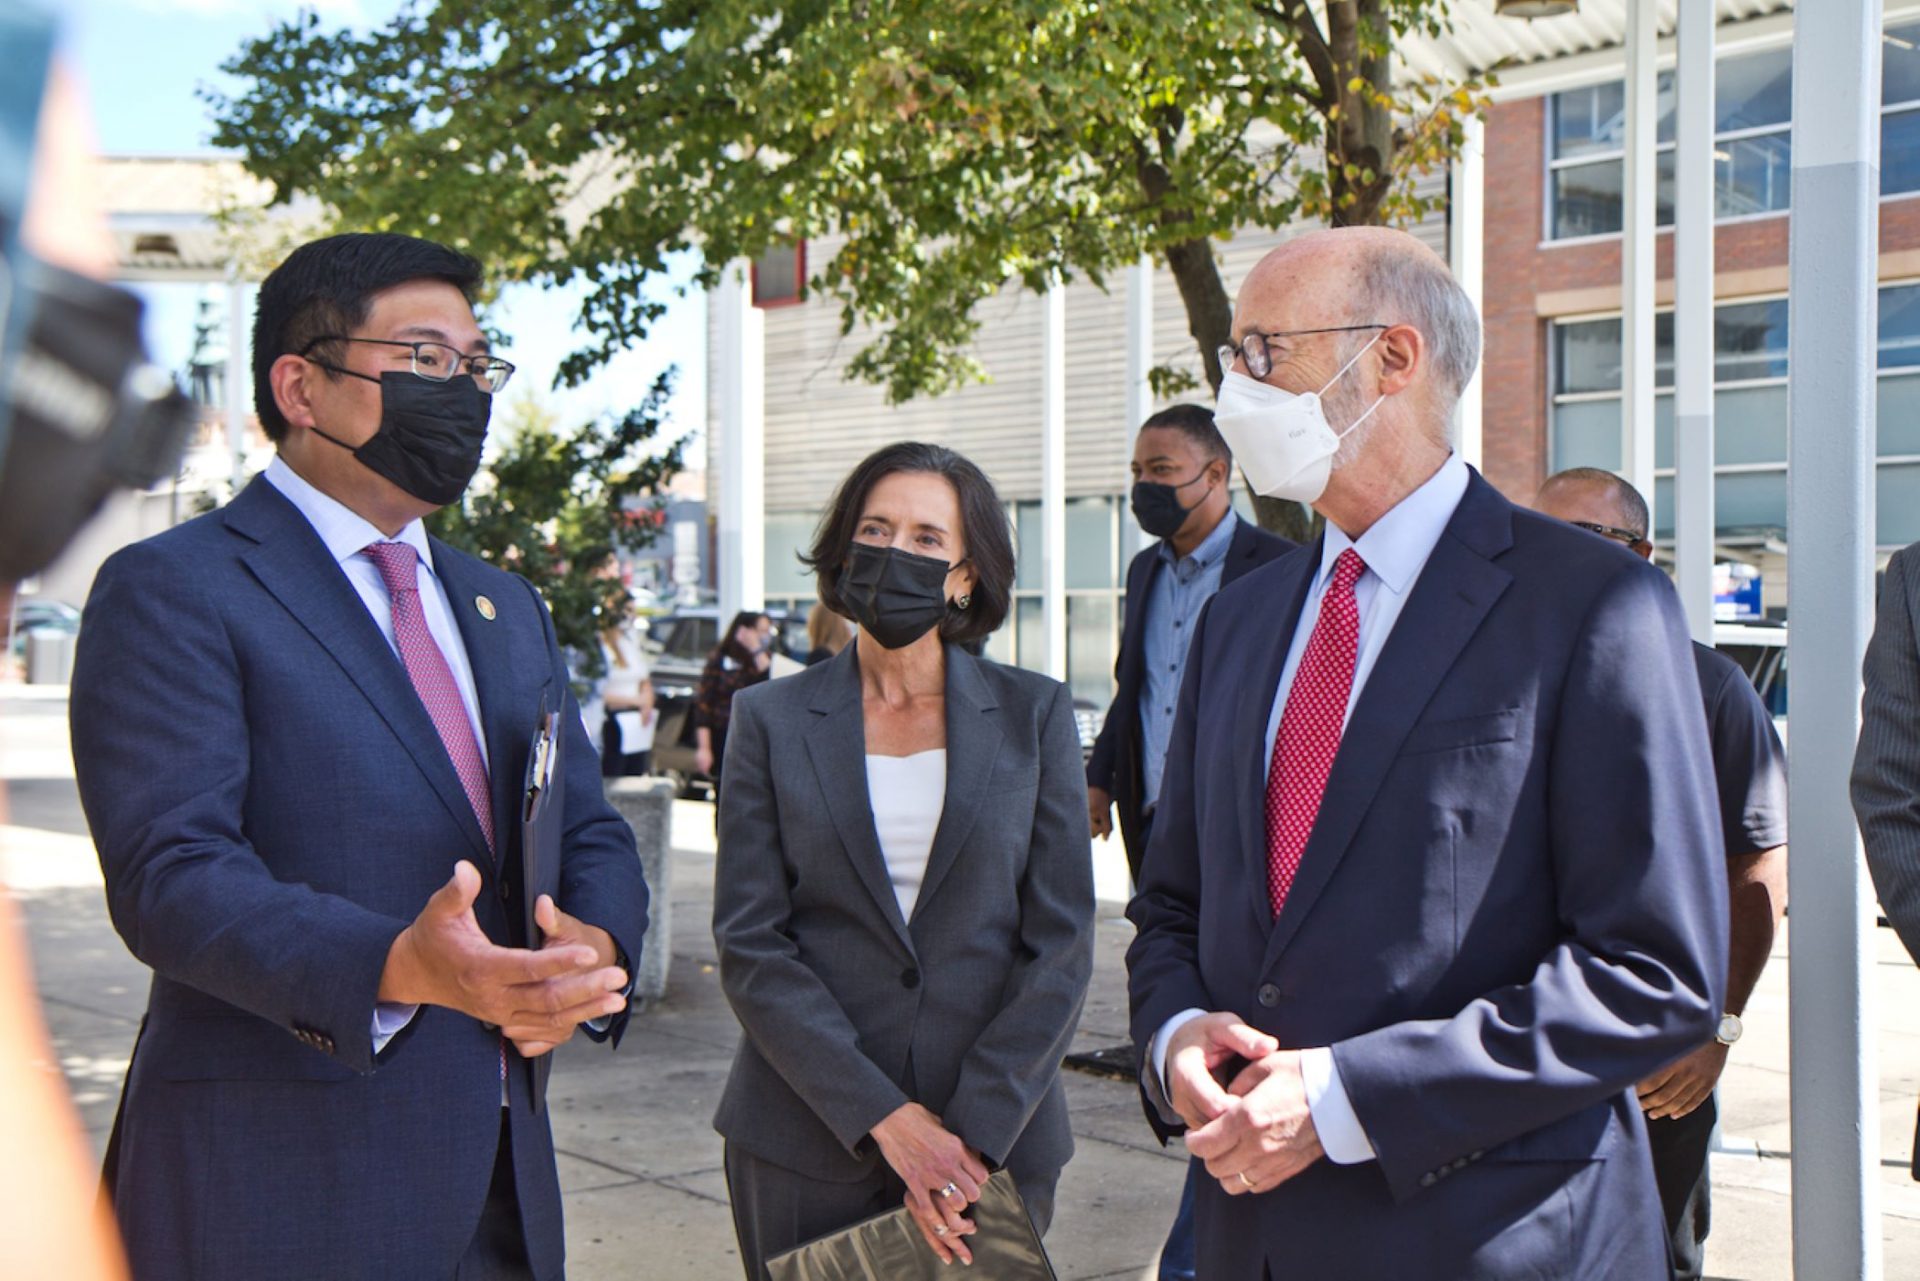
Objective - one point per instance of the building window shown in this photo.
(780, 276)
(1750, 412)
(1900, 110)
(1093, 596)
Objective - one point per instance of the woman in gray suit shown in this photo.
(904, 899)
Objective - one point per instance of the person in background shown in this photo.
(827, 634)
(1750, 777)
(626, 704)
(903, 904)
(1181, 469)
(743, 657)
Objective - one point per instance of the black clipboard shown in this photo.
(542, 816)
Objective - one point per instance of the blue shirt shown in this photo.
(1180, 588)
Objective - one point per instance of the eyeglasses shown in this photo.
(1614, 532)
(1253, 348)
(437, 362)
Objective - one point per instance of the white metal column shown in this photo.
(1139, 395)
(1636, 249)
(739, 380)
(1693, 320)
(1053, 479)
(1466, 250)
(1832, 324)
(239, 379)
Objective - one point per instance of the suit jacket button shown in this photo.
(910, 978)
(1269, 995)
(1428, 1179)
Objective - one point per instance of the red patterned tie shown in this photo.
(1310, 727)
(432, 678)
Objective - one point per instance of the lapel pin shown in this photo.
(485, 607)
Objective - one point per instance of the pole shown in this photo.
(1832, 324)
(1693, 321)
(1466, 252)
(1134, 539)
(1053, 480)
(741, 388)
(1636, 250)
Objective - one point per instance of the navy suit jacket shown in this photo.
(1116, 766)
(1512, 907)
(272, 806)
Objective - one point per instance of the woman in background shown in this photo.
(827, 634)
(626, 695)
(743, 658)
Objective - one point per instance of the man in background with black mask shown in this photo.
(1181, 468)
(301, 729)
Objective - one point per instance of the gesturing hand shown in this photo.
(943, 1176)
(1198, 1047)
(561, 930)
(444, 958)
(1265, 1134)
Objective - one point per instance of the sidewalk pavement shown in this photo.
(640, 1164)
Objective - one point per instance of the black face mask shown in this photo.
(1157, 507)
(430, 434)
(894, 595)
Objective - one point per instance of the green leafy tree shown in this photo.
(556, 504)
(952, 147)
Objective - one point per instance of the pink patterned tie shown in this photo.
(1310, 727)
(432, 678)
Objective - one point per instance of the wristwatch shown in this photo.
(1730, 1029)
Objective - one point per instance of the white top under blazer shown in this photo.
(907, 794)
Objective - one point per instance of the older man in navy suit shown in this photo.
(1434, 878)
(301, 728)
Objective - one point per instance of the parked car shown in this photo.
(678, 645)
(33, 614)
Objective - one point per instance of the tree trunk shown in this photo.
(1210, 321)
(1360, 142)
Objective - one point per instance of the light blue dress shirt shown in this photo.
(1180, 589)
(1395, 549)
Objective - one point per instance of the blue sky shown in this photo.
(143, 61)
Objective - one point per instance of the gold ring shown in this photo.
(1244, 1179)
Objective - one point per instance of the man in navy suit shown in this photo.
(1181, 469)
(1434, 878)
(301, 729)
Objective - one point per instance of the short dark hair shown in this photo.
(327, 287)
(1195, 422)
(1634, 517)
(983, 523)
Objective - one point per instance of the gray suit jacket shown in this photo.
(850, 1011)
(1886, 767)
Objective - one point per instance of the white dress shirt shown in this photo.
(346, 533)
(907, 795)
(1395, 549)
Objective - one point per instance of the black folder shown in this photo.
(542, 818)
(890, 1247)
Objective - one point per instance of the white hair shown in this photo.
(1416, 288)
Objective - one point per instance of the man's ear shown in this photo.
(291, 378)
(1403, 356)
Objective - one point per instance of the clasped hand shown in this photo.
(1257, 1132)
(943, 1177)
(536, 998)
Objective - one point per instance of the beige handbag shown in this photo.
(889, 1247)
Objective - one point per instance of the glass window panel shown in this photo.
(1090, 647)
(1753, 90)
(1750, 340)
(1030, 546)
(1587, 355)
(1090, 542)
(1752, 175)
(1750, 425)
(1898, 505)
(1586, 434)
(1663, 430)
(1899, 414)
(1899, 152)
(1900, 327)
(1586, 200)
(787, 535)
(1751, 500)
(1663, 507)
(1030, 626)
(1589, 120)
(1900, 63)
(999, 646)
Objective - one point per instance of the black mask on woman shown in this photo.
(894, 595)
(430, 434)
(1157, 506)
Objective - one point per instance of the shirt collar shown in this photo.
(345, 532)
(1397, 546)
(1211, 548)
